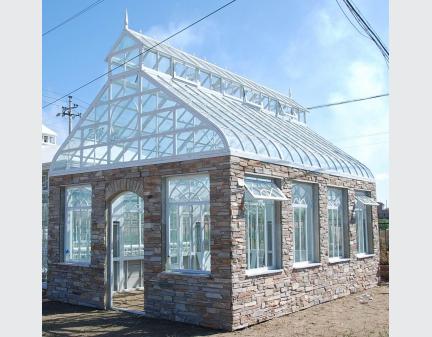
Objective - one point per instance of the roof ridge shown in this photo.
(197, 59)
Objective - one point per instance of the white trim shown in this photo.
(186, 272)
(262, 271)
(143, 162)
(303, 265)
(333, 260)
(361, 256)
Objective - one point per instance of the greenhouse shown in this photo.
(190, 193)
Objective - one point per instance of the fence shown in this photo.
(384, 254)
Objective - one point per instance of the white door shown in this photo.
(127, 216)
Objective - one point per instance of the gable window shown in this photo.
(363, 217)
(263, 235)
(305, 224)
(78, 224)
(188, 223)
(337, 223)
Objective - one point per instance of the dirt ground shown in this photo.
(360, 315)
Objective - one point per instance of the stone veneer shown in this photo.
(259, 298)
(227, 298)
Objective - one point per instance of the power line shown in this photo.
(365, 25)
(355, 27)
(58, 94)
(144, 51)
(94, 4)
(347, 101)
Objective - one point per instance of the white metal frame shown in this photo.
(305, 202)
(122, 260)
(337, 222)
(363, 216)
(204, 260)
(257, 131)
(68, 232)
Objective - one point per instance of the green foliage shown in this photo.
(383, 223)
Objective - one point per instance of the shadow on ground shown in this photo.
(60, 319)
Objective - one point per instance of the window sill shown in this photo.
(304, 265)
(254, 272)
(74, 264)
(186, 273)
(338, 260)
(364, 256)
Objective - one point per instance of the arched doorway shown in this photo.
(127, 252)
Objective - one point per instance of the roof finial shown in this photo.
(126, 23)
(289, 92)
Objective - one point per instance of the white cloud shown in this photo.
(186, 39)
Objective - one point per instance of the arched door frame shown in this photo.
(113, 190)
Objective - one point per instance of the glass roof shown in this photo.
(154, 110)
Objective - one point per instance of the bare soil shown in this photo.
(360, 315)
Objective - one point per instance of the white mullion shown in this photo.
(306, 229)
(257, 236)
(265, 237)
(248, 238)
(273, 235)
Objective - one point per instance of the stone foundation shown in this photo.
(227, 298)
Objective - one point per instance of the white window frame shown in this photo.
(314, 245)
(254, 200)
(180, 243)
(339, 205)
(68, 235)
(363, 213)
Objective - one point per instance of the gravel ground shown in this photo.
(360, 315)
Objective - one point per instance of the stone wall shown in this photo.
(262, 297)
(203, 300)
(227, 298)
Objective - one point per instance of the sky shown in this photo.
(306, 47)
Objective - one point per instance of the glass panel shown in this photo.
(124, 152)
(124, 119)
(185, 71)
(125, 86)
(150, 60)
(185, 142)
(232, 88)
(189, 223)
(260, 227)
(304, 223)
(335, 222)
(148, 102)
(164, 64)
(261, 188)
(185, 119)
(216, 83)
(164, 101)
(165, 121)
(149, 148)
(126, 42)
(78, 219)
(204, 78)
(252, 96)
(166, 146)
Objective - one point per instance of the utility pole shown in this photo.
(67, 111)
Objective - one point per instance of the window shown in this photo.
(45, 139)
(51, 139)
(337, 223)
(262, 230)
(44, 181)
(77, 225)
(188, 220)
(305, 223)
(363, 217)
